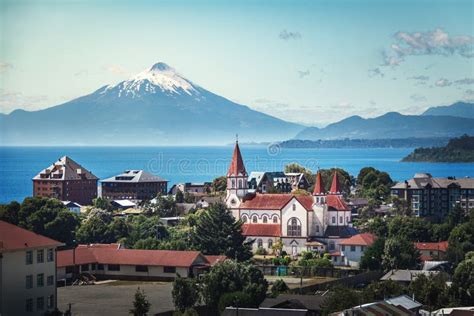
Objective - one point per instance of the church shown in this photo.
(316, 222)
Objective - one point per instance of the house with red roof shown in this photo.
(112, 261)
(352, 249)
(301, 222)
(432, 250)
(27, 271)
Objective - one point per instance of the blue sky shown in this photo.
(312, 62)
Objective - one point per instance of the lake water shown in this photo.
(197, 164)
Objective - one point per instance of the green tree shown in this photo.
(431, 290)
(236, 299)
(378, 291)
(179, 197)
(185, 293)
(216, 232)
(378, 226)
(340, 298)
(399, 253)
(372, 257)
(102, 203)
(9, 212)
(231, 276)
(219, 184)
(279, 286)
(461, 240)
(463, 281)
(410, 228)
(141, 305)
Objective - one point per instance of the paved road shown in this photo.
(114, 298)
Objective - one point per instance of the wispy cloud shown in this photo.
(5, 66)
(443, 82)
(10, 101)
(81, 73)
(420, 78)
(304, 73)
(417, 98)
(115, 69)
(436, 42)
(376, 72)
(289, 35)
(466, 81)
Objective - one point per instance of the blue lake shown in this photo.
(197, 164)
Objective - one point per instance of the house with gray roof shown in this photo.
(133, 185)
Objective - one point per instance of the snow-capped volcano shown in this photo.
(158, 106)
(160, 77)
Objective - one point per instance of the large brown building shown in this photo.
(66, 180)
(435, 197)
(133, 185)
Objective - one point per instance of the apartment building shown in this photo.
(27, 272)
(133, 185)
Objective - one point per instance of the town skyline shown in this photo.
(297, 63)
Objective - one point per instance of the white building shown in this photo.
(352, 249)
(299, 221)
(27, 272)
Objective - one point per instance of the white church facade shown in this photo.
(301, 222)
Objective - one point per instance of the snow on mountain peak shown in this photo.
(160, 77)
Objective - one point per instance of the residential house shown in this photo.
(293, 219)
(401, 306)
(277, 181)
(352, 249)
(66, 180)
(27, 272)
(72, 206)
(112, 261)
(123, 204)
(435, 197)
(405, 276)
(432, 250)
(191, 188)
(133, 185)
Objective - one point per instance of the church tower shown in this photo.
(319, 192)
(335, 186)
(237, 179)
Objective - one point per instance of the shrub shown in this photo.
(261, 251)
(279, 287)
(236, 299)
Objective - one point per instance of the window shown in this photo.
(40, 256)
(29, 305)
(51, 301)
(40, 280)
(113, 267)
(254, 219)
(294, 207)
(169, 269)
(294, 227)
(141, 268)
(29, 281)
(270, 243)
(240, 183)
(343, 248)
(50, 256)
(265, 219)
(29, 257)
(93, 266)
(362, 248)
(244, 218)
(70, 269)
(233, 184)
(85, 267)
(333, 220)
(259, 243)
(100, 266)
(317, 228)
(39, 303)
(275, 219)
(341, 219)
(353, 248)
(331, 246)
(50, 280)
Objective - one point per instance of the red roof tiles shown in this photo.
(237, 164)
(261, 201)
(365, 239)
(336, 202)
(440, 246)
(269, 230)
(335, 187)
(15, 238)
(319, 186)
(110, 255)
(215, 259)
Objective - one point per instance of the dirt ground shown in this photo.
(114, 298)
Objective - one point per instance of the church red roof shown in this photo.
(276, 201)
(335, 186)
(267, 230)
(319, 186)
(336, 202)
(237, 164)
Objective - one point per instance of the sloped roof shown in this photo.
(365, 239)
(14, 238)
(265, 201)
(405, 275)
(434, 246)
(65, 169)
(405, 301)
(113, 255)
(319, 186)
(215, 259)
(237, 166)
(335, 186)
(336, 202)
(270, 230)
(421, 181)
(134, 176)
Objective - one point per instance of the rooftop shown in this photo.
(263, 201)
(65, 169)
(13, 238)
(134, 176)
(422, 180)
(270, 230)
(365, 239)
(434, 246)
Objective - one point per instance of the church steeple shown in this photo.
(237, 178)
(237, 166)
(319, 185)
(335, 186)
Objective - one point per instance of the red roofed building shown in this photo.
(298, 221)
(27, 271)
(351, 249)
(432, 250)
(114, 262)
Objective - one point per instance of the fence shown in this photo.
(307, 272)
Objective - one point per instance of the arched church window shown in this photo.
(254, 219)
(275, 219)
(264, 219)
(244, 218)
(233, 184)
(240, 183)
(259, 243)
(294, 227)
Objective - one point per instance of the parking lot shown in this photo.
(114, 298)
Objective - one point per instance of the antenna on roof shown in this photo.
(236, 138)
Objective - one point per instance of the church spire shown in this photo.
(335, 187)
(319, 185)
(237, 166)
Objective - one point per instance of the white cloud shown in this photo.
(115, 69)
(10, 101)
(376, 72)
(443, 82)
(288, 35)
(466, 81)
(418, 98)
(5, 66)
